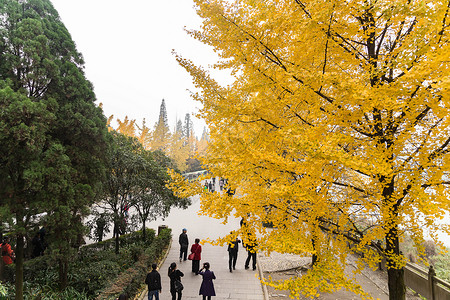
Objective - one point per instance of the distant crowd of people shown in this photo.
(210, 186)
(153, 279)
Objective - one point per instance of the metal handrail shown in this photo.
(441, 282)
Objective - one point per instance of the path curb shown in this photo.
(261, 276)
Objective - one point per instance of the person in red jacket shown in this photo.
(7, 253)
(197, 250)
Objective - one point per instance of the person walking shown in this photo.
(8, 255)
(251, 253)
(153, 280)
(36, 246)
(175, 281)
(207, 286)
(184, 244)
(197, 250)
(123, 297)
(233, 247)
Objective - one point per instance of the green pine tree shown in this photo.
(53, 136)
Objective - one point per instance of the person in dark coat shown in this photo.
(174, 275)
(38, 248)
(251, 253)
(233, 248)
(207, 287)
(153, 280)
(184, 244)
(197, 250)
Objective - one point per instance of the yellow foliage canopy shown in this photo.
(336, 128)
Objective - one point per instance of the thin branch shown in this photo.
(444, 20)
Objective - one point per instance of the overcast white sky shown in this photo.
(127, 49)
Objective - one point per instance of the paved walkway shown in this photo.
(239, 285)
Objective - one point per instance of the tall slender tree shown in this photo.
(189, 135)
(161, 134)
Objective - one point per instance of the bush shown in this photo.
(124, 240)
(93, 277)
(94, 270)
(3, 290)
(136, 252)
(441, 264)
(131, 280)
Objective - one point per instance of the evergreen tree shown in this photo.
(52, 134)
(161, 133)
(179, 128)
(189, 136)
(163, 115)
(188, 128)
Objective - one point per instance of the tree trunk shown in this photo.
(396, 283)
(144, 235)
(396, 278)
(19, 267)
(63, 269)
(116, 226)
(314, 256)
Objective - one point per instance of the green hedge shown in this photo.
(124, 240)
(95, 269)
(131, 281)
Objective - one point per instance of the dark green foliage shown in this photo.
(36, 292)
(131, 281)
(152, 198)
(95, 270)
(124, 240)
(52, 135)
(137, 177)
(92, 276)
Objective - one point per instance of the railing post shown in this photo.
(431, 275)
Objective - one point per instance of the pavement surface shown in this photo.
(240, 284)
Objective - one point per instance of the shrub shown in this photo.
(93, 269)
(93, 277)
(131, 280)
(442, 265)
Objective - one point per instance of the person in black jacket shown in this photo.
(251, 252)
(233, 247)
(174, 275)
(184, 244)
(153, 280)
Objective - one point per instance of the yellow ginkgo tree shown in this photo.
(336, 128)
